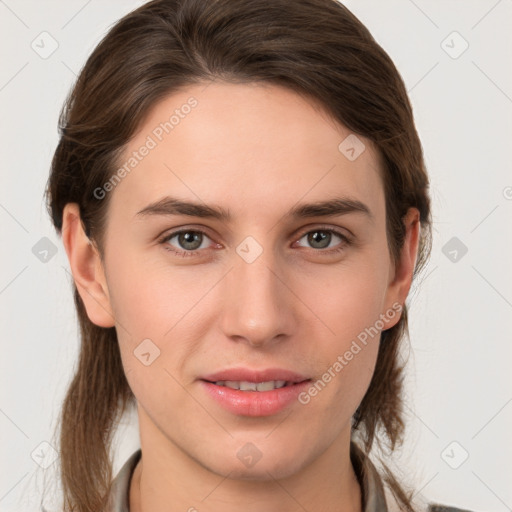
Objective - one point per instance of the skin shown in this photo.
(256, 150)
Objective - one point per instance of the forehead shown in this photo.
(248, 146)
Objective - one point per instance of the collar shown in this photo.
(372, 490)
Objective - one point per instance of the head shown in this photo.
(250, 114)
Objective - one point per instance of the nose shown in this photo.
(258, 306)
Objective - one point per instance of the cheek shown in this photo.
(350, 304)
(352, 313)
(149, 296)
(350, 299)
(347, 359)
(157, 307)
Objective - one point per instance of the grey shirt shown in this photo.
(375, 498)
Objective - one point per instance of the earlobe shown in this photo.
(87, 268)
(402, 274)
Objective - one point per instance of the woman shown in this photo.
(243, 200)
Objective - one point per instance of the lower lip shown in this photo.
(255, 403)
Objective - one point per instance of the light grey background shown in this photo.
(459, 389)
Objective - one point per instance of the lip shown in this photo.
(255, 403)
(250, 375)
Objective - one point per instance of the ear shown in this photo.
(87, 268)
(401, 273)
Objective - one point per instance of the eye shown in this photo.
(188, 242)
(322, 238)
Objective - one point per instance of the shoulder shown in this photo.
(445, 508)
(377, 494)
(420, 504)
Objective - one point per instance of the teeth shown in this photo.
(247, 386)
(252, 386)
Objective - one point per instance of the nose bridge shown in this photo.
(256, 304)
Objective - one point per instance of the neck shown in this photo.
(169, 479)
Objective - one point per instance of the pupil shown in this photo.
(322, 235)
(189, 238)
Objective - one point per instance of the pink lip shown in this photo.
(255, 375)
(255, 403)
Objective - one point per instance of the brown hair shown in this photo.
(317, 48)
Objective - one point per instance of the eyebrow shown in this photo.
(329, 208)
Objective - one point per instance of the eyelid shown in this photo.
(338, 230)
(180, 229)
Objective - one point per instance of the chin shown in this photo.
(265, 468)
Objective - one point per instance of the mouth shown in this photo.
(245, 378)
(269, 385)
(255, 393)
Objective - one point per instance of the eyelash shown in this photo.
(346, 241)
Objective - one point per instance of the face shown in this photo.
(271, 290)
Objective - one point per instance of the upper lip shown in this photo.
(250, 375)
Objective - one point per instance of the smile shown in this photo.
(253, 386)
(254, 399)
